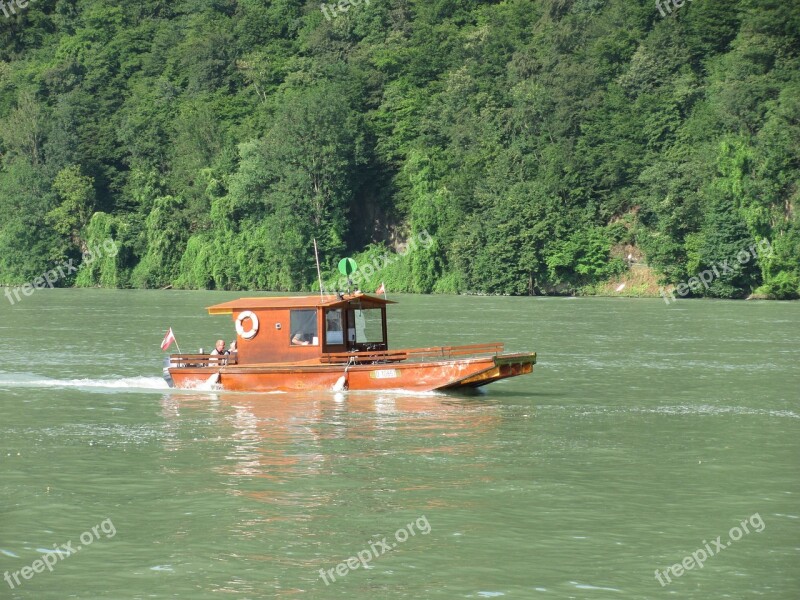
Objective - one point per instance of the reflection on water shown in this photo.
(280, 437)
(307, 469)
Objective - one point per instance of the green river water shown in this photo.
(645, 432)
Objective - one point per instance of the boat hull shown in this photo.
(414, 376)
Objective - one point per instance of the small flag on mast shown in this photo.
(168, 340)
(381, 289)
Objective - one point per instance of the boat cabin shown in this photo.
(291, 329)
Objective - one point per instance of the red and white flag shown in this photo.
(168, 339)
(381, 289)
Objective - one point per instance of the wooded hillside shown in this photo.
(544, 145)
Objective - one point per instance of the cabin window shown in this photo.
(365, 326)
(334, 327)
(303, 328)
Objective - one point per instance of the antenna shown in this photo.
(319, 273)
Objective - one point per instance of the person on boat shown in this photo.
(232, 352)
(300, 339)
(219, 350)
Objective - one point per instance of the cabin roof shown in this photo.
(227, 308)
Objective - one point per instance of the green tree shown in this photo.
(76, 193)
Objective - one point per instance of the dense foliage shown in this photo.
(539, 143)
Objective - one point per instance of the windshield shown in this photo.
(365, 326)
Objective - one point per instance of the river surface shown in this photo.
(646, 433)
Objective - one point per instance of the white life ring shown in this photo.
(240, 330)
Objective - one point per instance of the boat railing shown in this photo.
(202, 360)
(446, 352)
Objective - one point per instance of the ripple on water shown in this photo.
(703, 409)
(586, 586)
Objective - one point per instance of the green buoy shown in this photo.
(347, 266)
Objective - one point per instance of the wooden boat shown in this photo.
(289, 343)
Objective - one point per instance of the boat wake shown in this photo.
(31, 380)
(209, 385)
(401, 392)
